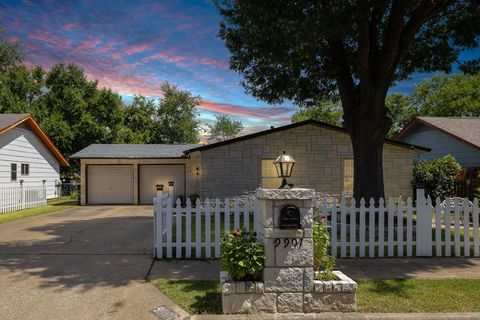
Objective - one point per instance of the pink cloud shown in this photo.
(277, 113)
(214, 62)
(138, 49)
(51, 39)
(87, 44)
(109, 46)
(69, 26)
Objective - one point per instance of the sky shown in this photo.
(133, 46)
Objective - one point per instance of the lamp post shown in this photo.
(284, 165)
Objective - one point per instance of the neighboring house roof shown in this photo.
(10, 121)
(463, 129)
(95, 151)
(299, 124)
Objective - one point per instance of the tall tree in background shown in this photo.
(328, 111)
(224, 128)
(305, 50)
(139, 122)
(177, 116)
(76, 111)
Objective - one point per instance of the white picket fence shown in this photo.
(195, 231)
(398, 228)
(19, 198)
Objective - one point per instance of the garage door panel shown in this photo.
(151, 175)
(110, 184)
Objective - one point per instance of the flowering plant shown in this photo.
(321, 259)
(241, 255)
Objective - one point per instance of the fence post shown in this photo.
(423, 232)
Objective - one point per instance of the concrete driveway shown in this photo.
(81, 263)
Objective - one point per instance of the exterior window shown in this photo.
(270, 178)
(13, 172)
(348, 176)
(25, 169)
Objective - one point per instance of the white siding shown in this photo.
(21, 145)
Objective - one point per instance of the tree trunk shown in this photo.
(368, 167)
(367, 134)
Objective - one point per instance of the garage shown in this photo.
(110, 184)
(151, 175)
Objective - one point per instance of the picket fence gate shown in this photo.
(396, 228)
(19, 198)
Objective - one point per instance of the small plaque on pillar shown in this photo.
(290, 217)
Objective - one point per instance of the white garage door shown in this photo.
(110, 184)
(151, 175)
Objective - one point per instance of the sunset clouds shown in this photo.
(132, 46)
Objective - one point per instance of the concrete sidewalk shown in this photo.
(385, 268)
(344, 316)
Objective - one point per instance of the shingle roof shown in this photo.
(465, 129)
(133, 151)
(7, 120)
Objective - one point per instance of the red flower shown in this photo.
(323, 218)
(254, 245)
(225, 238)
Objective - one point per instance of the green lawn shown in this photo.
(409, 295)
(52, 206)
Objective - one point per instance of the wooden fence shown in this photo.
(398, 228)
(195, 230)
(19, 198)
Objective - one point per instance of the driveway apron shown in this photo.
(82, 263)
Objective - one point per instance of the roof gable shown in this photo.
(463, 129)
(10, 121)
(299, 124)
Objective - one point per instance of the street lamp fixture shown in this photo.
(284, 165)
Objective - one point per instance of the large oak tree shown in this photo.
(306, 50)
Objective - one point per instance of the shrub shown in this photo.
(242, 256)
(437, 176)
(477, 193)
(193, 198)
(322, 262)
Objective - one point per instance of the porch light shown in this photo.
(284, 165)
(159, 187)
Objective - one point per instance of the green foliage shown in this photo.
(400, 110)
(242, 256)
(224, 128)
(448, 96)
(139, 122)
(177, 115)
(477, 193)
(193, 198)
(322, 262)
(437, 176)
(328, 111)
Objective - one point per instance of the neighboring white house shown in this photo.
(27, 156)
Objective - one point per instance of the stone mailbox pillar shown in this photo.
(288, 248)
(288, 286)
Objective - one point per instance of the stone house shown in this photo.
(128, 173)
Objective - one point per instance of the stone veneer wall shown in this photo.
(235, 168)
